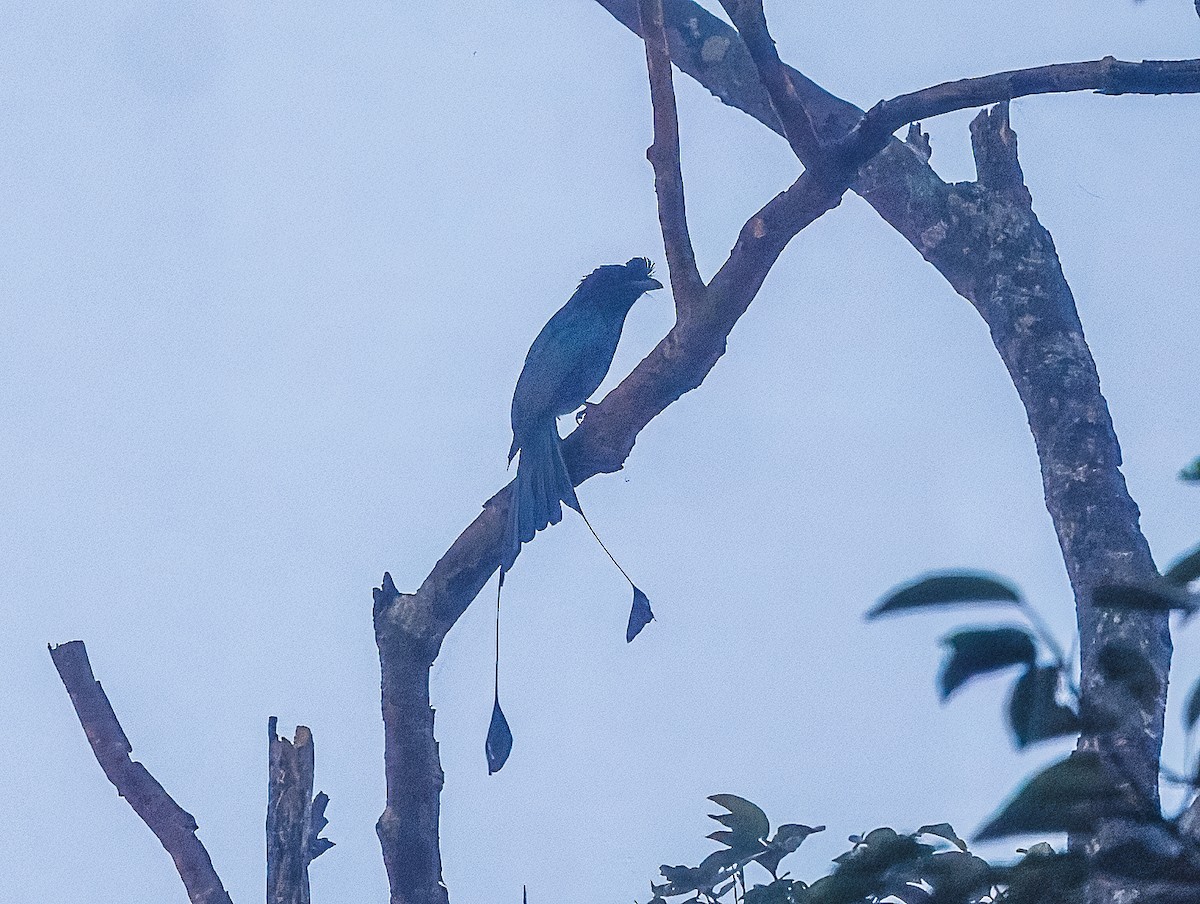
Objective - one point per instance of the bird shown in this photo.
(566, 364)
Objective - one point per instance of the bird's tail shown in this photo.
(541, 486)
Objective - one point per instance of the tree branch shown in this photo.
(408, 637)
(295, 819)
(1017, 285)
(410, 627)
(1106, 76)
(171, 824)
(986, 241)
(949, 228)
(686, 285)
(789, 105)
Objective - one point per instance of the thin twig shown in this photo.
(171, 824)
(686, 283)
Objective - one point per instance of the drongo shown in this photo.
(566, 364)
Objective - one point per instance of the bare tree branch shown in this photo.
(793, 112)
(712, 52)
(953, 231)
(295, 819)
(408, 637)
(686, 285)
(171, 824)
(409, 628)
(986, 241)
(1018, 287)
(873, 131)
(1106, 76)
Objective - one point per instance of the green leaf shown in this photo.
(1192, 472)
(1185, 569)
(944, 830)
(981, 650)
(956, 876)
(744, 818)
(787, 838)
(1069, 796)
(1191, 711)
(702, 878)
(778, 892)
(724, 837)
(954, 588)
(1034, 713)
(1044, 876)
(1153, 599)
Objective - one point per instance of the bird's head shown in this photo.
(622, 283)
(640, 274)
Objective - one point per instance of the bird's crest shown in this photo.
(636, 269)
(640, 268)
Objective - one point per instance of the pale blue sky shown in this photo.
(270, 271)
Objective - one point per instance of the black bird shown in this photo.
(566, 364)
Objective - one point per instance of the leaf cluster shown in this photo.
(929, 866)
(1044, 700)
(1075, 795)
(746, 839)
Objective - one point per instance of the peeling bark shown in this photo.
(295, 818)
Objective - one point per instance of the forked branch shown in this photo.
(410, 627)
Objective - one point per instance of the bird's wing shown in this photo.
(548, 385)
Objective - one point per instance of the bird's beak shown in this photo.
(648, 285)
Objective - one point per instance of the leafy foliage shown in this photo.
(952, 588)
(1034, 711)
(933, 865)
(745, 840)
(1043, 703)
(979, 651)
(1163, 598)
(1185, 569)
(1125, 664)
(1069, 796)
(929, 866)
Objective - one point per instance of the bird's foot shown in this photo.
(581, 413)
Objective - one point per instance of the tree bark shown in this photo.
(408, 640)
(295, 818)
(171, 824)
(986, 241)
